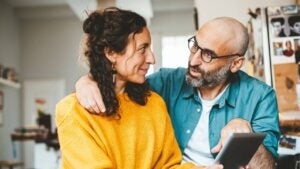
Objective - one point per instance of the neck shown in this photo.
(212, 92)
(120, 86)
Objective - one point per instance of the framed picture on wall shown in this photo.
(1, 107)
(1, 101)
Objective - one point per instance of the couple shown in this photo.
(206, 102)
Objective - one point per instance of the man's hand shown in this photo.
(88, 95)
(234, 126)
(215, 166)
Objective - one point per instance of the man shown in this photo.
(212, 98)
(294, 22)
(278, 27)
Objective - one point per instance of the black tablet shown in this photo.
(239, 149)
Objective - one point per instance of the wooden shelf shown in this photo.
(9, 83)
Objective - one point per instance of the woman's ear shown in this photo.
(110, 55)
(237, 64)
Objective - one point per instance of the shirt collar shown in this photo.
(231, 94)
(188, 90)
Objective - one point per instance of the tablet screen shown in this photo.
(239, 149)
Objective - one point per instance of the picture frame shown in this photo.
(290, 9)
(1, 119)
(1, 100)
(1, 107)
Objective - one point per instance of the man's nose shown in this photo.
(195, 59)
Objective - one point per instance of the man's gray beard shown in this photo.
(209, 79)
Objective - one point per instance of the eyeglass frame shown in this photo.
(212, 54)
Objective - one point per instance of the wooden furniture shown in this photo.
(29, 133)
(10, 164)
(290, 127)
(290, 123)
(39, 134)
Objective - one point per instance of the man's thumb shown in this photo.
(217, 148)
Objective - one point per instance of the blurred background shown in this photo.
(39, 62)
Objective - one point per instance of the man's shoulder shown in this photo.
(249, 82)
(167, 82)
(169, 75)
(173, 74)
(173, 71)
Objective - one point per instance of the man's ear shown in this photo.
(110, 55)
(237, 64)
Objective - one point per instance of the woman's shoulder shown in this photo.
(67, 103)
(155, 97)
(156, 102)
(68, 107)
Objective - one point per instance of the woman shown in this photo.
(289, 50)
(135, 131)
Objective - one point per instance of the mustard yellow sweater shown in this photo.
(143, 138)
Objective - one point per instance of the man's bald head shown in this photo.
(228, 33)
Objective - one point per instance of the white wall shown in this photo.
(9, 57)
(170, 23)
(178, 22)
(50, 49)
(234, 8)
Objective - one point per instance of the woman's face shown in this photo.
(288, 44)
(133, 65)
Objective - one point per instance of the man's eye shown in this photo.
(195, 46)
(207, 53)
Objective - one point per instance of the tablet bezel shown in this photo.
(239, 149)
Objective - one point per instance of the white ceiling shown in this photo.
(146, 8)
(156, 4)
(34, 3)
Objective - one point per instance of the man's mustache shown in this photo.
(196, 68)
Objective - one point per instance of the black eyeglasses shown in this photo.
(207, 55)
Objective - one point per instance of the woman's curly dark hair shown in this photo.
(110, 29)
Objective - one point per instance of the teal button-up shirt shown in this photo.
(245, 97)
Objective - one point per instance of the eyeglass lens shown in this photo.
(206, 55)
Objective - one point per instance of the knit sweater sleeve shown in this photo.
(171, 155)
(78, 146)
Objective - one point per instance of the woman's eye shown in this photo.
(142, 50)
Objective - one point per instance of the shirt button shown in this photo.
(188, 131)
(198, 110)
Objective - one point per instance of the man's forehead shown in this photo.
(212, 35)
